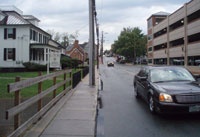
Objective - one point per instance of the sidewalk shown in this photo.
(74, 115)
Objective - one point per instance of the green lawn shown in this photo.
(21, 74)
(6, 78)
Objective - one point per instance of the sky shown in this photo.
(71, 16)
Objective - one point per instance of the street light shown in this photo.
(102, 41)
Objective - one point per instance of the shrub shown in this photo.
(34, 66)
(66, 62)
(69, 62)
(76, 63)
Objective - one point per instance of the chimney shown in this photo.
(76, 43)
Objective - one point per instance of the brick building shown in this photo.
(77, 51)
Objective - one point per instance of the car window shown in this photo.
(141, 72)
(170, 74)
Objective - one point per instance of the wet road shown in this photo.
(125, 116)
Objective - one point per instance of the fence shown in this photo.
(78, 76)
(21, 106)
(85, 71)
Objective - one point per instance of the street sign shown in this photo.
(54, 60)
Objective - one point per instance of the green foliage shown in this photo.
(131, 43)
(70, 63)
(66, 62)
(76, 63)
(20, 74)
(34, 66)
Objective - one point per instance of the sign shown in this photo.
(54, 60)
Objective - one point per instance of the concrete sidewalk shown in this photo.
(73, 116)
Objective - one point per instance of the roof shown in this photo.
(69, 47)
(83, 46)
(2, 13)
(51, 42)
(30, 17)
(13, 18)
(10, 8)
(161, 13)
(32, 45)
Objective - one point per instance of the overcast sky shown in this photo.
(113, 15)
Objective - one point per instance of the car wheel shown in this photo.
(151, 105)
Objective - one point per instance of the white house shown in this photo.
(22, 40)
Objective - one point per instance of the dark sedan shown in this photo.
(110, 64)
(168, 89)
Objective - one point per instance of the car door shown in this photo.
(140, 79)
(145, 85)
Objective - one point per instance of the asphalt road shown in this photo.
(125, 116)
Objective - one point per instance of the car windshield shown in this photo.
(170, 74)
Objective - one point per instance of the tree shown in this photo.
(64, 38)
(55, 35)
(131, 43)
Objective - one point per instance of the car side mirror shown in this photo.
(143, 78)
(197, 77)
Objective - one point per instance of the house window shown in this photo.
(40, 38)
(150, 49)
(34, 35)
(10, 33)
(9, 54)
(150, 23)
(31, 34)
(150, 37)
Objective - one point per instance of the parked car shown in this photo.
(168, 89)
(122, 61)
(110, 64)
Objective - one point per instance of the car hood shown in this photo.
(178, 87)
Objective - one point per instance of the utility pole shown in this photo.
(91, 44)
(101, 51)
(97, 33)
(97, 50)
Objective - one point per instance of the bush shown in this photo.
(70, 63)
(76, 63)
(34, 66)
(66, 62)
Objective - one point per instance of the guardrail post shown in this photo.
(101, 84)
(39, 91)
(17, 102)
(54, 83)
(82, 73)
(65, 76)
(70, 82)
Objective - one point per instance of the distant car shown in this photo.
(168, 89)
(110, 64)
(122, 61)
